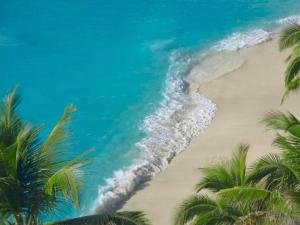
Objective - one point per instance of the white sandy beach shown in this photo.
(242, 98)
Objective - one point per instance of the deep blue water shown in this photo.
(110, 58)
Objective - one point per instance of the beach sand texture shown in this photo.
(242, 97)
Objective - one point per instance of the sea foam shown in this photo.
(238, 40)
(180, 116)
(294, 19)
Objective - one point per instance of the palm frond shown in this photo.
(265, 217)
(34, 175)
(119, 218)
(244, 193)
(274, 209)
(291, 86)
(239, 165)
(193, 207)
(226, 174)
(10, 123)
(279, 121)
(273, 171)
(285, 96)
(203, 210)
(295, 54)
(131, 218)
(219, 217)
(8, 107)
(290, 36)
(215, 178)
(292, 72)
(287, 143)
(67, 180)
(294, 196)
(52, 149)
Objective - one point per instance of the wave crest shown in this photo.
(180, 117)
(289, 20)
(242, 40)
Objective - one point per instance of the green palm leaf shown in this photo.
(239, 164)
(119, 218)
(291, 72)
(291, 86)
(67, 180)
(226, 174)
(215, 178)
(288, 144)
(244, 193)
(10, 123)
(279, 121)
(295, 54)
(290, 36)
(35, 175)
(274, 172)
(216, 217)
(62, 178)
(194, 206)
(203, 210)
(265, 218)
(52, 150)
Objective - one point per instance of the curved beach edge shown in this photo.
(243, 97)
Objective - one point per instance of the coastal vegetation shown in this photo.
(34, 176)
(268, 190)
(290, 37)
(263, 193)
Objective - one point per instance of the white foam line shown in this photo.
(242, 40)
(294, 19)
(169, 130)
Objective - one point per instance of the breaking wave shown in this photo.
(242, 40)
(181, 115)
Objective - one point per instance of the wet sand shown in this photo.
(242, 97)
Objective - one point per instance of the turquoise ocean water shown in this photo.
(122, 63)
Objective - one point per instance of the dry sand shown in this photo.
(242, 97)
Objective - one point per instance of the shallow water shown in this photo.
(122, 63)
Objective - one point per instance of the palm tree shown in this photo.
(237, 198)
(118, 218)
(290, 37)
(35, 177)
(200, 209)
(281, 171)
(203, 210)
(226, 174)
(269, 191)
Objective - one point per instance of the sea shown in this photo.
(124, 64)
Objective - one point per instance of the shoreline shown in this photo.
(242, 96)
(183, 113)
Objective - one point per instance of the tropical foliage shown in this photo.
(35, 178)
(118, 218)
(281, 171)
(236, 197)
(268, 192)
(290, 37)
